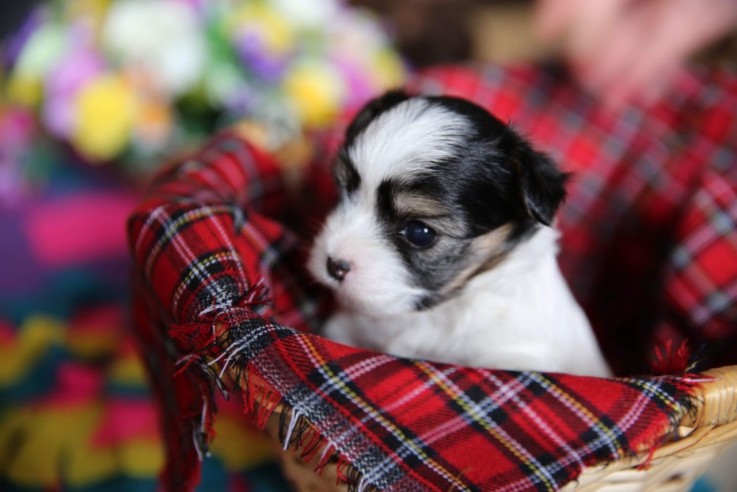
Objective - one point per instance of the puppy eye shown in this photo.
(419, 234)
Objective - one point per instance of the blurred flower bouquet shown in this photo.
(126, 81)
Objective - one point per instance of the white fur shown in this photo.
(377, 281)
(405, 140)
(519, 315)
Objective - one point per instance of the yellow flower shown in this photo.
(105, 111)
(316, 92)
(95, 10)
(388, 69)
(274, 32)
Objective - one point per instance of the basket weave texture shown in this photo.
(224, 302)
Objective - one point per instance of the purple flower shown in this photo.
(16, 128)
(75, 70)
(197, 6)
(357, 81)
(255, 55)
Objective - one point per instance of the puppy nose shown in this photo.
(338, 268)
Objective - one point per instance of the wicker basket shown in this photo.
(706, 431)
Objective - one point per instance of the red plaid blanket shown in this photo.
(649, 245)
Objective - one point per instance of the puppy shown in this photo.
(441, 246)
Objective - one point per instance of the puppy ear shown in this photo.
(542, 184)
(371, 110)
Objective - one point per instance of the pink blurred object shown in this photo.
(7, 334)
(79, 229)
(125, 420)
(361, 89)
(77, 384)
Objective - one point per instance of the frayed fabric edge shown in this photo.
(296, 433)
(261, 399)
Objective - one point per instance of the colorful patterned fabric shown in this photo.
(222, 291)
(76, 410)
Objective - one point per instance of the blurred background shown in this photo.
(95, 95)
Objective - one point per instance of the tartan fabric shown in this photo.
(222, 288)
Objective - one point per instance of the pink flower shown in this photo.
(360, 88)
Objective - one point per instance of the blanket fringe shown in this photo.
(296, 433)
(215, 344)
(201, 341)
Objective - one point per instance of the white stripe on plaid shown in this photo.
(479, 412)
(338, 382)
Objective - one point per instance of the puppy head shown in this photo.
(434, 190)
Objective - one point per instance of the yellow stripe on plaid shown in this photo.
(337, 382)
(581, 411)
(170, 229)
(204, 262)
(470, 411)
(658, 392)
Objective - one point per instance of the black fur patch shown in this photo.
(494, 179)
(345, 173)
(434, 267)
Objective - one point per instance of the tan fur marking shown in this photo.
(488, 251)
(415, 205)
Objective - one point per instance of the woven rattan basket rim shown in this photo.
(715, 401)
